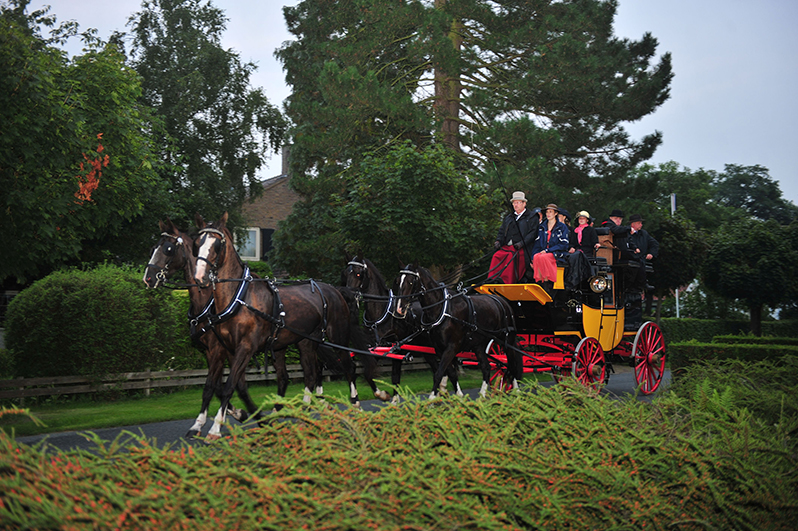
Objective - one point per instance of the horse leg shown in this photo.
(453, 376)
(308, 358)
(484, 366)
(369, 373)
(238, 369)
(213, 383)
(281, 375)
(446, 360)
(396, 379)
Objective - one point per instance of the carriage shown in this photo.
(579, 330)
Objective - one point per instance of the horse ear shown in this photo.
(199, 221)
(162, 225)
(223, 221)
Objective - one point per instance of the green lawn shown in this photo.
(88, 412)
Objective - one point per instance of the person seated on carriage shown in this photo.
(565, 217)
(584, 237)
(583, 245)
(513, 242)
(551, 244)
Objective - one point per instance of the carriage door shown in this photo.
(606, 322)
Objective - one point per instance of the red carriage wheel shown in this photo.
(648, 351)
(500, 378)
(589, 364)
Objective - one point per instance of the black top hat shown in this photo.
(616, 213)
(635, 217)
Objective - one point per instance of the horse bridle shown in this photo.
(221, 242)
(364, 281)
(160, 276)
(446, 297)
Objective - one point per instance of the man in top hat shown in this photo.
(644, 246)
(619, 231)
(515, 237)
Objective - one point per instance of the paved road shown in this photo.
(621, 384)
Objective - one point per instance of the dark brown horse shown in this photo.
(260, 315)
(173, 253)
(459, 323)
(362, 276)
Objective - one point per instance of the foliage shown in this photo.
(704, 330)
(751, 189)
(750, 339)
(413, 205)
(697, 302)
(533, 95)
(549, 459)
(76, 164)
(756, 262)
(92, 322)
(761, 387)
(217, 129)
(681, 355)
(681, 252)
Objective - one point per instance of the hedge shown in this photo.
(678, 330)
(95, 322)
(754, 340)
(684, 354)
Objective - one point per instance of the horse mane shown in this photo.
(377, 274)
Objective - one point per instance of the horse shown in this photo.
(459, 323)
(172, 253)
(362, 276)
(261, 315)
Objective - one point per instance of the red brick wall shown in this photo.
(272, 206)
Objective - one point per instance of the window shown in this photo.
(249, 247)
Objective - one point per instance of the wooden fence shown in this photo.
(148, 380)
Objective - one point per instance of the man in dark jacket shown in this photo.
(620, 232)
(513, 242)
(643, 245)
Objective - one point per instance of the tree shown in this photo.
(751, 189)
(756, 262)
(681, 252)
(535, 92)
(217, 129)
(75, 162)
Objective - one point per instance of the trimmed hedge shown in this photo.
(684, 354)
(678, 330)
(96, 322)
(753, 340)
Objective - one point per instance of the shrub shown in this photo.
(93, 322)
(677, 330)
(684, 354)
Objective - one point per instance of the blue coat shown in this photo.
(558, 243)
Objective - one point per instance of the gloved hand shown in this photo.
(496, 245)
(518, 245)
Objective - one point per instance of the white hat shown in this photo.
(519, 196)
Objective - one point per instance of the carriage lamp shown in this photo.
(599, 284)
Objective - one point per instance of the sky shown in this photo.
(732, 96)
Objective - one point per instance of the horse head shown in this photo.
(356, 275)
(169, 255)
(407, 287)
(211, 249)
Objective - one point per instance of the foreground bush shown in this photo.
(94, 322)
(554, 458)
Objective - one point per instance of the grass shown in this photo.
(87, 412)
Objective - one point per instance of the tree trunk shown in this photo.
(447, 91)
(756, 319)
(659, 309)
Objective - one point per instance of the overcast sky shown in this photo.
(732, 97)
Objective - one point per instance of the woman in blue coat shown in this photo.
(552, 243)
